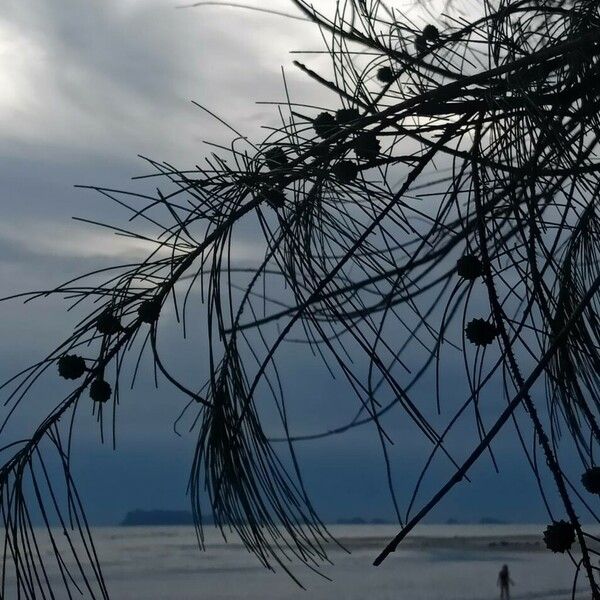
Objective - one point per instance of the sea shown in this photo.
(437, 562)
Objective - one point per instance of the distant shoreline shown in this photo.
(359, 535)
(163, 518)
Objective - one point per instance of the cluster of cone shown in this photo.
(478, 331)
(559, 536)
(72, 366)
(428, 37)
(275, 158)
(366, 146)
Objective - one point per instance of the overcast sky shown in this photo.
(86, 87)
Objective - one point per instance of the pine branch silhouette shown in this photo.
(448, 203)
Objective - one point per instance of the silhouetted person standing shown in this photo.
(504, 581)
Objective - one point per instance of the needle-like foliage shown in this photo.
(445, 205)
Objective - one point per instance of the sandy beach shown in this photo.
(438, 562)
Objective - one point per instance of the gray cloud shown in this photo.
(117, 77)
(85, 87)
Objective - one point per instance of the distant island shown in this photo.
(157, 517)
